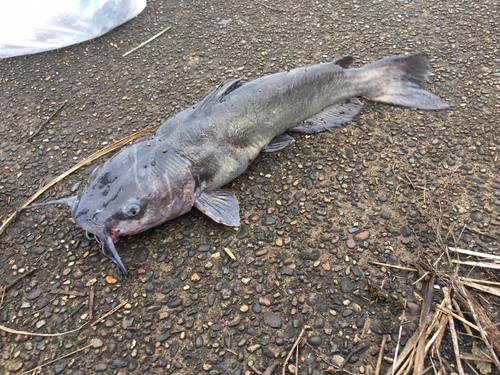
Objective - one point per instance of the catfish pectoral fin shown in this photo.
(220, 206)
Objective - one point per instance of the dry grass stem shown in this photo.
(55, 360)
(480, 281)
(380, 355)
(474, 253)
(45, 123)
(394, 266)
(459, 311)
(147, 41)
(483, 288)
(478, 264)
(7, 329)
(458, 317)
(229, 253)
(453, 332)
(422, 328)
(293, 348)
(409, 347)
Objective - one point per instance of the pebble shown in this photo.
(127, 321)
(59, 367)
(413, 309)
(272, 320)
(346, 285)
(198, 342)
(362, 236)
(96, 343)
(34, 295)
(111, 349)
(476, 216)
(287, 271)
(174, 348)
(319, 323)
(101, 367)
(256, 308)
(316, 341)
(405, 231)
(385, 215)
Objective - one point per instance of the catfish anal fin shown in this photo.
(331, 118)
(220, 206)
(278, 143)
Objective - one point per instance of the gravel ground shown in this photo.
(314, 216)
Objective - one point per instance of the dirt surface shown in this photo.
(314, 216)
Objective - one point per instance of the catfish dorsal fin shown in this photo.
(345, 62)
(222, 90)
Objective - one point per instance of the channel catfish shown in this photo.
(201, 149)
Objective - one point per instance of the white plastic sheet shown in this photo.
(32, 26)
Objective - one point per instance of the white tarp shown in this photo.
(32, 26)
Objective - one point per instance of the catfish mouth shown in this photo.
(106, 241)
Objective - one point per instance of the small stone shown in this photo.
(127, 321)
(375, 328)
(272, 320)
(111, 349)
(319, 323)
(385, 215)
(198, 342)
(346, 313)
(346, 286)
(405, 231)
(413, 308)
(174, 348)
(34, 295)
(362, 236)
(476, 216)
(101, 367)
(316, 341)
(243, 232)
(313, 255)
(77, 275)
(244, 308)
(287, 271)
(175, 303)
(96, 343)
(350, 243)
(253, 348)
(256, 308)
(59, 367)
(15, 366)
(289, 332)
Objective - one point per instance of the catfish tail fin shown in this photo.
(399, 80)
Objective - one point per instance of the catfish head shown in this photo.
(139, 188)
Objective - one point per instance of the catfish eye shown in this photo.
(132, 209)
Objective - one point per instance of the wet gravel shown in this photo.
(313, 215)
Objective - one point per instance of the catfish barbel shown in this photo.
(201, 149)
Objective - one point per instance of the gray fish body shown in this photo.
(203, 148)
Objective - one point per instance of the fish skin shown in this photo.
(195, 153)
